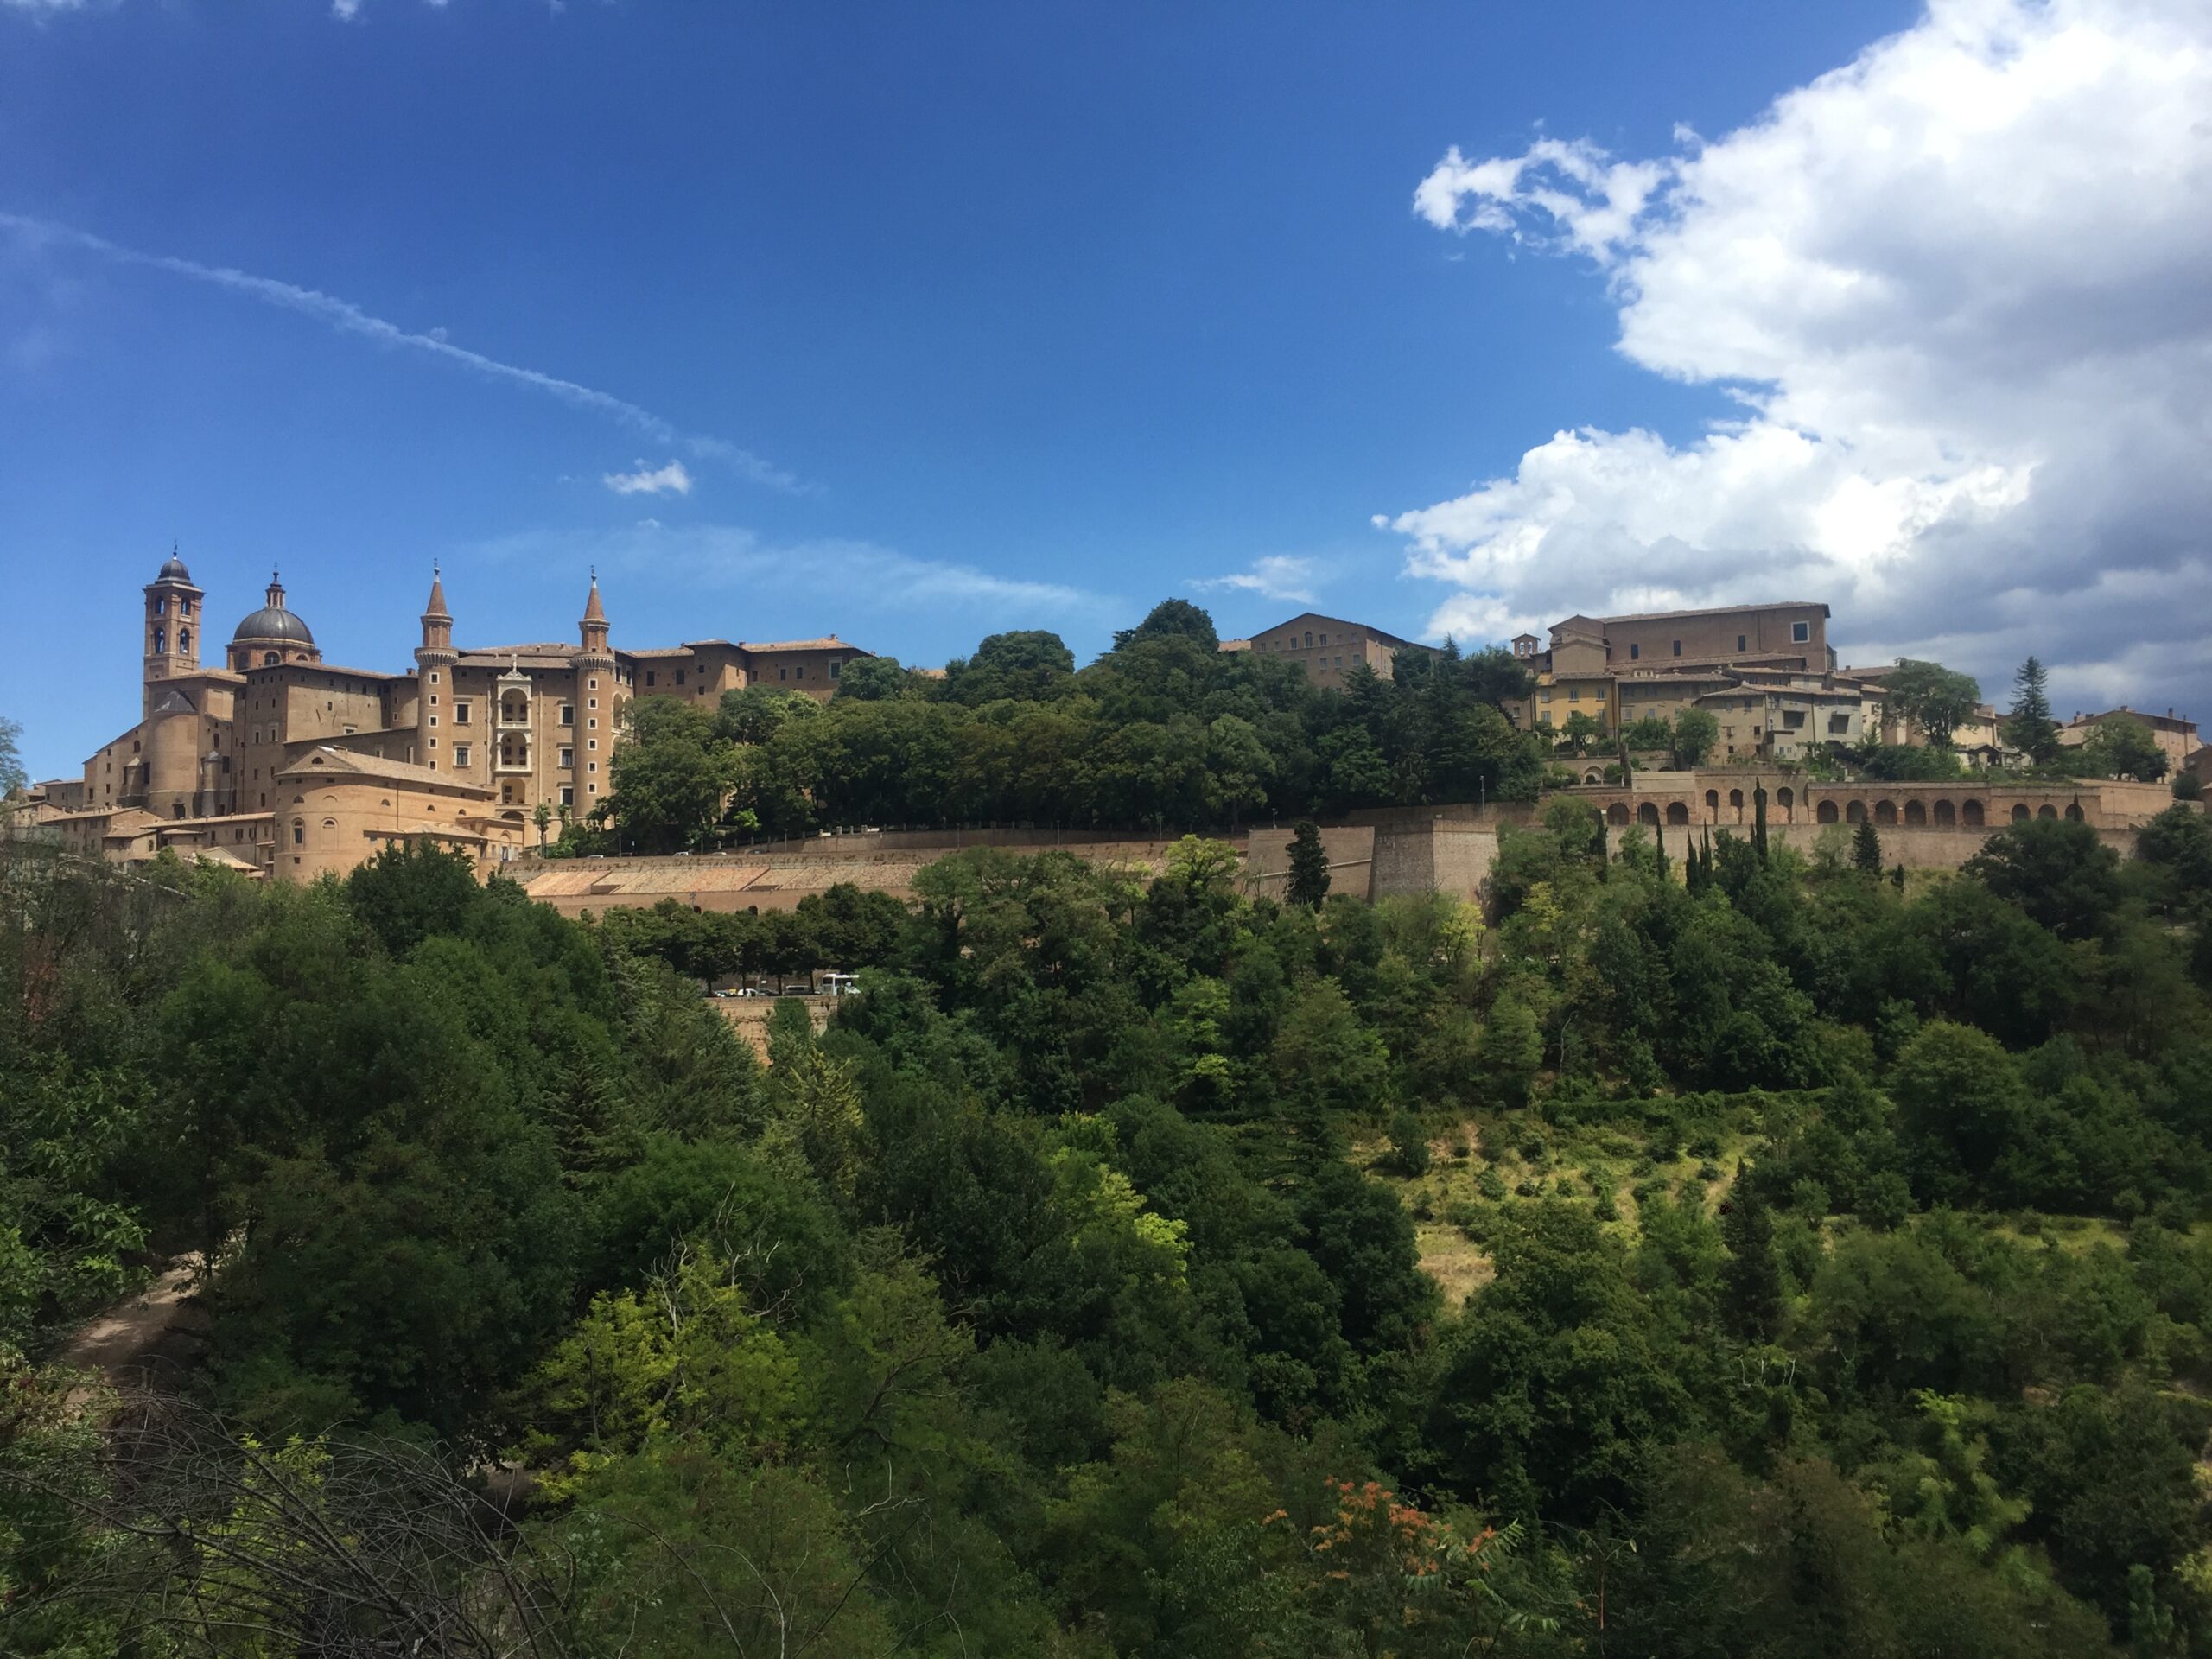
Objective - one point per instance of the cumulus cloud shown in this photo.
(42, 236)
(1277, 575)
(655, 481)
(1957, 290)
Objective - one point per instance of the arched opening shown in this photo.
(1592, 778)
(1885, 811)
(299, 832)
(269, 659)
(184, 638)
(1677, 812)
(1916, 813)
(1855, 813)
(1649, 814)
(1946, 815)
(1713, 804)
(2021, 815)
(1617, 813)
(330, 823)
(2074, 813)
(1786, 799)
(1824, 813)
(1736, 804)
(1971, 815)
(158, 637)
(2046, 810)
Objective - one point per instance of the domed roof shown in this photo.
(273, 622)
(173, 570)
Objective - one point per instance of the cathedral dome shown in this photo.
(173, 570)
(273, 622)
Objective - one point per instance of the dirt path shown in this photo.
(147, 1340)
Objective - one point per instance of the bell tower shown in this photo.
(172, 622)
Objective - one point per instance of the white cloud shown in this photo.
(1958, 287)
(39, 234)
(1276, 575)
(855, 576)
(659, 481)
(44, 7)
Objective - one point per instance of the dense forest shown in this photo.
(1695, 1251)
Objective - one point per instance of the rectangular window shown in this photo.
(649, 676)
(592, 722)
(1574, 694)
(591, 703)
(567, 714)
(782, 673)
(567, 794)
(679, 676)
(433, 676)
(833, 670)
(460, 714)
(591, 743)
(1800, 632)
(1739, 642)
(1634, 652)
(461, 754)
(1678, 647)
(568, 757)
(592, 684)
(433, 699)
(434, 719)
(591, 766)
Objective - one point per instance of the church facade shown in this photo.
(285, 766)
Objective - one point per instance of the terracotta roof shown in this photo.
(1718, 610)
(831, 643)
(437, 604)
(593, 612)
(324, 761)
(320, 667)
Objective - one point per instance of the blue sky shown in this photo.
(953, 319)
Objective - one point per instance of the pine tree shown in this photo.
(1866, 848)
(1309, 867)
(2030, 728)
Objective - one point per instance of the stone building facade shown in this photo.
(294, 767)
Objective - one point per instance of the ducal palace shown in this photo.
(273, 760)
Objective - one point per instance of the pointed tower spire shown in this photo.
(437, 604)
(593, 629)
(436, 650)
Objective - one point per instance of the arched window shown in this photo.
(299, 832)
(1677, 812)
(1971, 815)
(1784, 799)
(2021, 815)
(1648, 813)
(1916, 813)
(330, 823)
(1617, 813)
(2046, 810)
(1825, 812)
(1712, 802)
(1855, 813)
(269, 659)
(2074, 813)
(157, 642)
(1885, 811)
(1946, 815)
(184, 638)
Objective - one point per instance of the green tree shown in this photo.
(1695, 733)
(2120, 746)
(1866, 848)
(11, 756)
(1930, 697)
(1307, 883)
(2030, 728)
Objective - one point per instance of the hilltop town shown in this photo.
(271, 761)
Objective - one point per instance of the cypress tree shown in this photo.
(1866, 848)
(1308, 883)
(1758, 820)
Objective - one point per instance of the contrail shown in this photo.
(349, 318)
